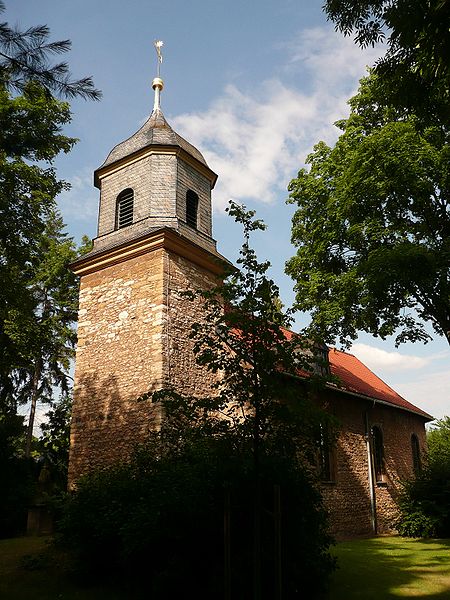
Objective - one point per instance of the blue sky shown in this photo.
(254, 85)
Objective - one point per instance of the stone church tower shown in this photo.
(154, 241)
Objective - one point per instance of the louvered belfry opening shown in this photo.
(125, 201)
(191, 208)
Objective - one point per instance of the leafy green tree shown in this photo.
(222, 458)
(425, 501)
(438, 441)
(38, 294)
(55, 440)
(415, 70)
(153, 520)
(257, 362)
(25, 56)
(54, 294)
(372, 228)
(31, 126)
(17, 476)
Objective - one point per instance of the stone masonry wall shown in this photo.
(133, 336)
(348, 497)
(182, 371)
(119, 357)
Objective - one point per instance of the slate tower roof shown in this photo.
(155, 181)
(156, 131)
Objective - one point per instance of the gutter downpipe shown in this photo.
(373, 502)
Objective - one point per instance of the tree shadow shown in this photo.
(392, 568)
(106, 425)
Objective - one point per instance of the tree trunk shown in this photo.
(34, 398)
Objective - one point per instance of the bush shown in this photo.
(18, 476)
(159, 523)
(425, 501)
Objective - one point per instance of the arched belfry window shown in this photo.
(415, 449)
(191, 208)
(378, 453)
(124, 210)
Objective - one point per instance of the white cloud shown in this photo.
(332, 58)
(431, 392)
(377, 359)
(80, 203)
(257, 140)
(419, 379)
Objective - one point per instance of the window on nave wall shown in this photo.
(378, 453)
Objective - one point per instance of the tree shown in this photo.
(425, 501)
(221, 459)
(256, 358)
(415, 70)
(18, 476)
(372, 226)
(53, 292)
(55, 441)
(37, 294)
(438, 441)
(25, 56)
(244, 341)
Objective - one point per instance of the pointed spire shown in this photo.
(157, 83)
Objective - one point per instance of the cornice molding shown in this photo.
(103, 172)
(162, 239)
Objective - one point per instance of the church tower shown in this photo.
(154, 241)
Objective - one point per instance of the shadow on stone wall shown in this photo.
(106, 425)
(348, 498)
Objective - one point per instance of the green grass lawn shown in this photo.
(392, 567)
(31, 569)
(373, 569)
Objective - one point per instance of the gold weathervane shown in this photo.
(158, 45)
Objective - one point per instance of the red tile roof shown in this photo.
(357, 378)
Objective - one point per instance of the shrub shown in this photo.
(425, 501)
(159, 522)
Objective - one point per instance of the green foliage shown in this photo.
(55, 441)
(372, 226)
(415, 523)
(25, 56)
(220, 458)
(244, 342)
(17, 476)
(37, 293)
(425, 501)
(438, 441)
(159, 517)
(414, 71)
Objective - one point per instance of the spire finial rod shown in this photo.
(157, 83)
(158, 45)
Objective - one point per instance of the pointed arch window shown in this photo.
(124, 209)
(415, 449)
(378, 453)
(191, 208)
